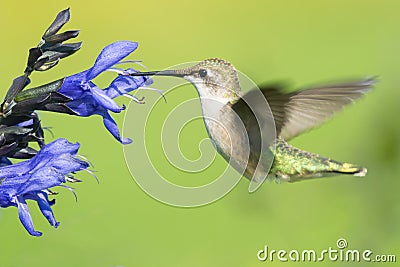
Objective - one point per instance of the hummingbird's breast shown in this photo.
(228, 134)
(236, 139)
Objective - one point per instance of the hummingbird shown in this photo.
(253, 136)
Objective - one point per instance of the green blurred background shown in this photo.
(116, 223)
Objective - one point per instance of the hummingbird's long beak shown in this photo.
(174, 73)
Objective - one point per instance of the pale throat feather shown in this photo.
(218, 117)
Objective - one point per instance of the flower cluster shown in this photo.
(31, 179)
(54, 164)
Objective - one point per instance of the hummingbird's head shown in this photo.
(213, 78)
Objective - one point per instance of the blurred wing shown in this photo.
(300, 111)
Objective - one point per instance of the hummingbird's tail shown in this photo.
(347, 168)
(292, 164)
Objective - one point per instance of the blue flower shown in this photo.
(87, 99)
(32, 178)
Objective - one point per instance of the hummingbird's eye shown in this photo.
(202, 73)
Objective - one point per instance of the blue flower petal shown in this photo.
(43, 178)
(45, 207)
(84, 106)
(61, 146)
(110, 56)
(31, 178)
(87, 99)
(112, 127)
(125, 84)
(25, 216)
(48, 154)
(67, 163)
(103, 100)
(73, 86)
